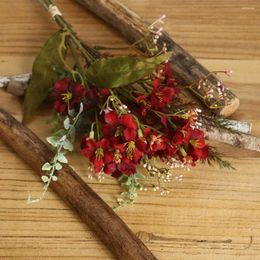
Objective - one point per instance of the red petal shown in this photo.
(105, 92)
(167, 70)
(128, 121)
(111, 118)
(140, 98)
(103, 143)
(107, 130)
(88, 147)
(108, 157)
(168, 94)
(129, 134)
(141, 144)
(147, 131)
(78, 90)
(197, 134)
(60, 106)
(110, 168)
(127, 167)
(137, 155)
(164, 120)
(156, 83)
(98, 165)
(61, 85)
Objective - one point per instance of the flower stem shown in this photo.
(67, 27)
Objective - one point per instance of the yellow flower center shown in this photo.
(99, 154)
(66, 97)
(130, 149)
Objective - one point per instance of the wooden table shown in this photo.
(212, 213)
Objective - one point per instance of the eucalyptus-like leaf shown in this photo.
(43, 74)
(68, 145)
(54, 178)
(139, 176)
(58, 166)
(66, 123)
(81, 107)
(53, 140)
(116, 72)
(45, 178)
(46, 167)
(61, 158)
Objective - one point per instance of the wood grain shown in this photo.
(212, 213)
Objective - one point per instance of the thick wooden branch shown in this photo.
(73, 190)
(184, 66)
(16, 84)
(238, 140)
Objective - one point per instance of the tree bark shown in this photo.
(238, 140)
(72, 189)
(185, 67)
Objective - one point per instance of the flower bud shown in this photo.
(140, 133)
(92, 135)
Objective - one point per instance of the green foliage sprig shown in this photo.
(61, 141)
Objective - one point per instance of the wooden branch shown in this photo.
(184, 66)
(73, 190)
(16, 84)
(238, 140)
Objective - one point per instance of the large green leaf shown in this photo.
(120, 71)
(43, 74)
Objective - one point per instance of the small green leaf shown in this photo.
(53, 140)
(54, 178)
(61, 158)
(43, 74)
(58, 166)
(139, 176)
(46, 167)
(68, 145)
(120, 71)
(45, 178)
(66, 123)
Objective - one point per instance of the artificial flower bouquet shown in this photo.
(127, 111)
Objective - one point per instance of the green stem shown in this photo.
(67, 27)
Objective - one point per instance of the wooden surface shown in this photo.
(212, 213)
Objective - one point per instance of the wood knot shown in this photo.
(144, 236)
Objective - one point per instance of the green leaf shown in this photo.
(61, 158)
(120, 71)
(46, 167)
(68, 145)
(58, 166)
(45, 178)
(139, 176)
(54, 178)
(53, 140)
(66, 123)
(43, 74)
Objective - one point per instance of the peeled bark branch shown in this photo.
(238, 140)
(73, 190)
(185, 67)
(16, 84)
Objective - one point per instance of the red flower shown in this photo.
(198, 149)
(96, 96)
(160, 97)
(66, 94)
(97, 152)
(124, 125)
